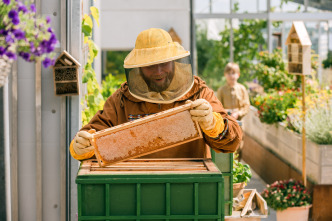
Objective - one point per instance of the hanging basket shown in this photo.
(5, 67)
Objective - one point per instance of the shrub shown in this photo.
(272, 107)
(318, 117)
(272, 72)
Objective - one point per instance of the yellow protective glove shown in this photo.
(201, 111)
(211, 122)
(81, 142)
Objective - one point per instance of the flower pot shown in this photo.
(294, 213)
(238, 188)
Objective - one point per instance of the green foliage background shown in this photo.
(213, 55)
(114, 62)
(271, 72)
(96, 95)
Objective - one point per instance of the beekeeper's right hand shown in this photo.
(81, 144)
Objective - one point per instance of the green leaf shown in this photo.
(95, 14)
(94, 48)
(85, 78)
(91, 99)
(87, 30)
(88, 21)
(87, 25)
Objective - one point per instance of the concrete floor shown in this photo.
(257, 183)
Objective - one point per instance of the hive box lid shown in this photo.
(150, 167)
(144, 136)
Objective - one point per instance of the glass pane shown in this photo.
(221, 6)
(113, 63)
(319, 6)
(282, 6)
(313, 31)
(330, 35)
(323, 51)
(262, 5)
(324, 41)
(212, 47)
(245, 6)
(287, 27)
(277, 35)
(250, 37)
(202, 6)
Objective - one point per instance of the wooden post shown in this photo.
(299, 63)
(304, 175)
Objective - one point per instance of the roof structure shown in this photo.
(175, 37)
(67, 55)
(299, 31)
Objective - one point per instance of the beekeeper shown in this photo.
(159, 77)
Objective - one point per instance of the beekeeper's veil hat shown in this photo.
(155, 46)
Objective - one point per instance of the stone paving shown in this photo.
(257, 183)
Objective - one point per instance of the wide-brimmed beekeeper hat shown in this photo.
(154, 46)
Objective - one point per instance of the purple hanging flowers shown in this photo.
(22, 8)
(19, 34)
(2, 51)
(33, 8)
(24, 34)
(7, 2)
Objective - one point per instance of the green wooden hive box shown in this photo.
(224, 162)
(151, 189)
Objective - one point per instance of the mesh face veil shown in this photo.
(158, 70)
(161, 83)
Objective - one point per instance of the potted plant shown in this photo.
(24, 34)
(289, 198)
(241, 176)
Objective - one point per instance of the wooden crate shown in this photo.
(261, 210)
(146, 135)
(151, 189)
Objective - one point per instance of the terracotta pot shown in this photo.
(238, 188)
(294, 213)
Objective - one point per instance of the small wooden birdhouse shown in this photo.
(299, 49)
(65, 73)
(175, 37)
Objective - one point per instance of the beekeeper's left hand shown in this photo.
(201, 111)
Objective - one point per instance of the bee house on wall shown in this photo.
(175, 37)
(299, 50)
(65, 74)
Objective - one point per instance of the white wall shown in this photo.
(23, 203)
(26, 135)
(123, 20)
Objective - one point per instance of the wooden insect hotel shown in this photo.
(65, 74)
(175, 37)
(299, 50)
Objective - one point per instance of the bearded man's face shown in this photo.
(158, 77)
